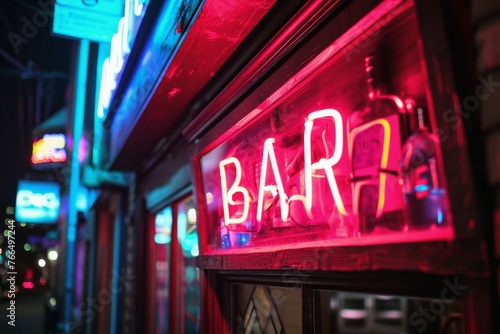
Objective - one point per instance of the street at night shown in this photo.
(30, 312)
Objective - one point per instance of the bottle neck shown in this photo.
(374, 90)
(421, 123)
(374, 84)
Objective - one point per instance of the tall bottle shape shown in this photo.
(376, 131)
(425, 198)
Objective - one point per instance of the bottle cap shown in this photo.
(370, 75)
(420, 115)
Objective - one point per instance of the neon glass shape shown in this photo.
(228, 194)
(269, 154)
(325, 163)
(120, 48)
(383, 161)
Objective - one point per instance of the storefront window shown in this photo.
(187, 236)
(354, 313)
(344, 152)
(265, 309)
(162, 249)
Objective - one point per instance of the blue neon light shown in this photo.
(439, 216)
(159, 49)
(422, 187)
(95, 23)
(120, 48)
(163, 226)
(162, 239)
(37, 202)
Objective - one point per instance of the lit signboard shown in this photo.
(324, 159)
(121, 42)
(37, 202)
(158, 50)
(49, 149)
(93, 20)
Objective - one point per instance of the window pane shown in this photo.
(265, 309)
(187, 235)
(350, 313)
(162, 241)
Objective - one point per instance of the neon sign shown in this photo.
(236, 194)
(37, 201)
(291, 173)
(316, 179)
(386, 142)
(49, 149)
(120, 48)
(26, 198)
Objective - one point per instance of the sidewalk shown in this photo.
(29, 313)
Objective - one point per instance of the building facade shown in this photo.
(291, 167)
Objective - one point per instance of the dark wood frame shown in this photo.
(476, 320)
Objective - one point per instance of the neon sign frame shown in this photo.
(280, 184)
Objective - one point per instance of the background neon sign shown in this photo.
(37, 201)
(49, 149)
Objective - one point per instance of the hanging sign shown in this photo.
(87, 19)
(37, 202)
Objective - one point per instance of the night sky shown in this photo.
(30, 57)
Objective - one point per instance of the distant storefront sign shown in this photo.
(49, 149)
(37, 201)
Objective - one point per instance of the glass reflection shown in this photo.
(264, 309)
(350, 313)
(162, 239)
(187, 235)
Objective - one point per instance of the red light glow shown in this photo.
(28, 285)
(43, 281)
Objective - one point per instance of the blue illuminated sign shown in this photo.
(120, 48)
(79, 19)
(160, 48)
(37, 202)
(110, 7)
